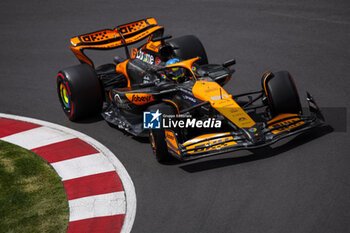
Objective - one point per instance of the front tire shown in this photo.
(157, 136)
(79, 92)
(281, 92)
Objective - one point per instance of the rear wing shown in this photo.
(121, 36)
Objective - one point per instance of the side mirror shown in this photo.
(228, 63)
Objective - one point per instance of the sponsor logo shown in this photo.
(191, 123)
(242, 119)
(133, 53)
(188, 92)
(146, 79)
(145, 57)
(191, 99)
(252, 130)
(286, 125)
(151, 120)
(157, 62)
(152, 46)
(132, 27)
(94, 37)
(89, 38)
(136, 98)
(139, 98)
(211, 89)
(219, 97)
(176, 121)
(212, 145)
(238, 114)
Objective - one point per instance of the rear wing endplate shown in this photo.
(121, 36)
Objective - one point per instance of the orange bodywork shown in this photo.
(204, 136)
(292, 118)
(264, 83)
(209, 142)
(110, 39)
(133, 27)
(91, 38)
(121, 68)
(222, 102)
(153, 46)
(81, 56)
(133, 53)
(171, 141)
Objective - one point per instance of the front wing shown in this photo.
(280, 127)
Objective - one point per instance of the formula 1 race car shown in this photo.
(171, 80)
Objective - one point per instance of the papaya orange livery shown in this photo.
(133, 53)
(121, 68)
(165, 89)
(139, 98)
(171, 141)
(278, 125)
(113, 38)
(222, 102)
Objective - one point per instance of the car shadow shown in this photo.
(89, 120)
(141, 139)
(260, 153)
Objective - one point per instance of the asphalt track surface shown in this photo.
(299, 185)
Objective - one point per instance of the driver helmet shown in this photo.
(176, 72)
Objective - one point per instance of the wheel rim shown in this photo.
(65, 99)
(64, 96)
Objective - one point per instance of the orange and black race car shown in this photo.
(192, 116)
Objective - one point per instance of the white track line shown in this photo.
(102, 205)
(128, 185)
(82, 166)
(37, 137)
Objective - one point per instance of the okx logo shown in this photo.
(151, 120)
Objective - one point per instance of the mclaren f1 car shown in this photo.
(171, 77)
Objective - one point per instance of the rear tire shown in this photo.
(157, 136)
(187, 47)
(79, 92)
(281, 92)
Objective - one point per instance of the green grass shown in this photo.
(32, 197)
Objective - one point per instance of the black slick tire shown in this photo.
(79, 92)
(157, 136)
(187, 47)
(281, 92)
